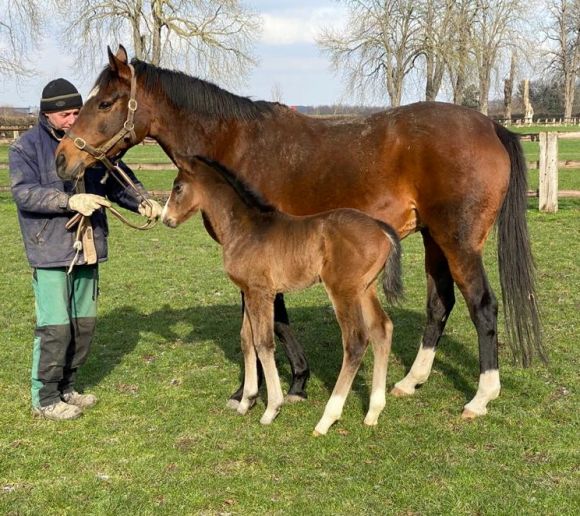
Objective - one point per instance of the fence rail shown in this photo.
(548, 163)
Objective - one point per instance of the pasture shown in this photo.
(166, 358)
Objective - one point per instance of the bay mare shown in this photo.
(266, 252)
(445, 171)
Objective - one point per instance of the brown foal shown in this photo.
(266, 251)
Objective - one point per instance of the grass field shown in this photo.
(166, 358)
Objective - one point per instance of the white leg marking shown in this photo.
(332, 413)
(419, 373)
(376, 406)
(488, 389)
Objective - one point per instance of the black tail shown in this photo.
(392, 277)
(516, 264)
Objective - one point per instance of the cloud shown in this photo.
(298, 26)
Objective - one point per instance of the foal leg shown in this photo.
(380, 330)
(259, 312)
(250, 386)
(440, 301)
(294, 352)
(354, 342)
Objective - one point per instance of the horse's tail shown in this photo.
(516, 264)
(392, 276)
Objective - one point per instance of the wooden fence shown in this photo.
(548, 166)
(548, 163)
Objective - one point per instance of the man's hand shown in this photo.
(150, 209)
(86, 203)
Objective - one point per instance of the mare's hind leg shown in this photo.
(294, 352)
(381, 332)
(354, 342)
(469, 274)
(440, 301)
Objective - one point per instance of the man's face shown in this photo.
(62, 120)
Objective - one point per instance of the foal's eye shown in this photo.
(105, 104)
(177, 188)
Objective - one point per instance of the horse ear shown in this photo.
(181, 161)
(119, 62)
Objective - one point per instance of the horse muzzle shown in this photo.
(65, 171)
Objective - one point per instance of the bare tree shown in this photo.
(436, 17)
(508, 89)
(564, 31)
(459, 56)
(213, 38)
(20, 28)
(377, 48)
(494, 28)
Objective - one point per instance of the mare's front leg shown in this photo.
(440, 301)
(259, 314)
(293, 350)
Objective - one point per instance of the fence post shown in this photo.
(548, 190)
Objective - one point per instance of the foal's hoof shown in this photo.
(232, 404)
(294, 398)
(469, 415)
(397, 392)
(316, 433)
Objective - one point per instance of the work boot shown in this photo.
(82, 401)
(58, 411)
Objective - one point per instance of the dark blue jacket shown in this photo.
(42, 199)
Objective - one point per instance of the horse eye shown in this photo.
(105, 104)
(177, 188)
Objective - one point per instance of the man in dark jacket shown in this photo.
(65, 276)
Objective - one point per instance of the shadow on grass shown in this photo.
(315, 327)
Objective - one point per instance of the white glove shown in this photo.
(86, 203)
(150, 209)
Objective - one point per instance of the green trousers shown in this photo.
(66, 310)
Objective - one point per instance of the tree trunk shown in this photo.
(508, 90)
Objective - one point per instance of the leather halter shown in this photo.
(100, 153)
(128, 127)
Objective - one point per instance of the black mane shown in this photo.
(249, 196)
(196, 95)
(192, 94)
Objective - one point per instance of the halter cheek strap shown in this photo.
(100, 153)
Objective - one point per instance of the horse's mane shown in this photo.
(192, 94)
(249, 196)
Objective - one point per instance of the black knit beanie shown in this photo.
(60, 95)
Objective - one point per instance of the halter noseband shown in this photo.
(100, 153)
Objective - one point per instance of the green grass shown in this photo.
(166, 358)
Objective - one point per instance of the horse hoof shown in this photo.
(232, 404)
(294, 398)
(316, 433)
(371, 422)
(399, 393)
(469, 415)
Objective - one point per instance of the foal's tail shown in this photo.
(516, 264)
(392, 277)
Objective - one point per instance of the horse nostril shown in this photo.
(60, 161)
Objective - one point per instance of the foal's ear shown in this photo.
(119, 62)
(182, 162)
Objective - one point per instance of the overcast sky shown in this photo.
(290, 61)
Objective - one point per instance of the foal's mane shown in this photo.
(192, 94)
(249, 196)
